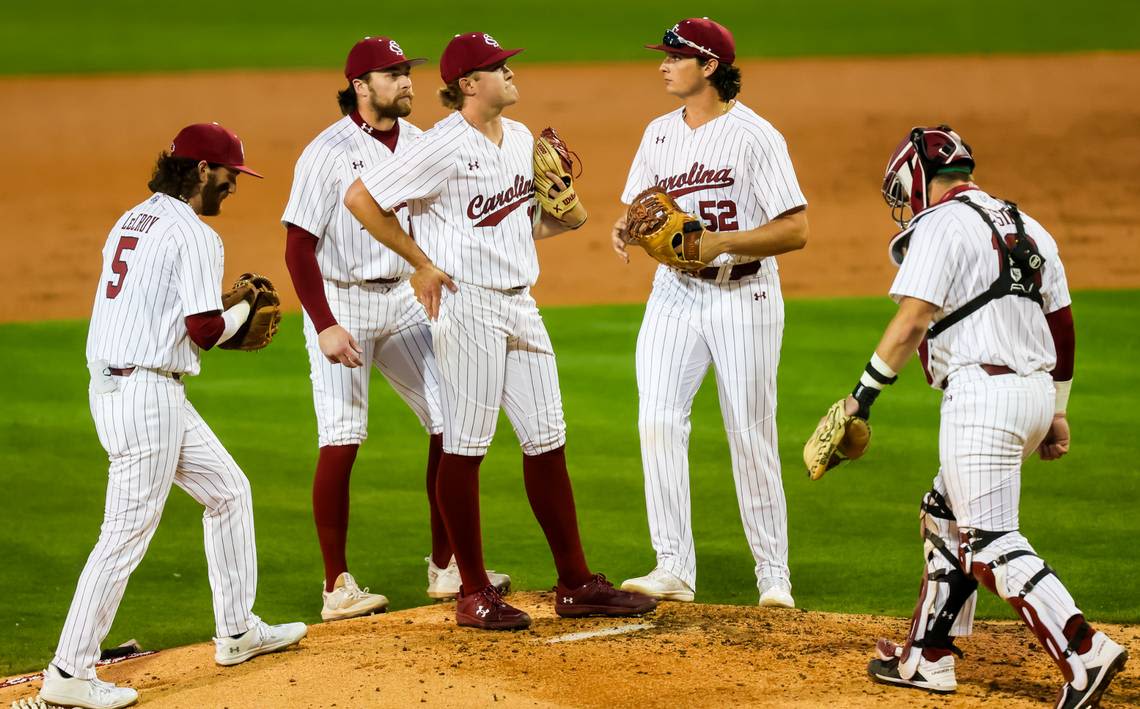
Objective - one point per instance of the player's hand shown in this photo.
(339, 346)
(427, 283)
(618, 240)
(558, 185)
(1056, 443)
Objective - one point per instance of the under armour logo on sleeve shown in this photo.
(474, 165)
(660, 139)
(357, 164)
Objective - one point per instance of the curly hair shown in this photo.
(726, 79)
(346, 99)
(177, 177)
(451, 96)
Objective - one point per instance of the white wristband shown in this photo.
(1062, 403)
(886, 374)
(235, 318)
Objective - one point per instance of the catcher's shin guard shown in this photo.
(1006, 564)
(946, 598)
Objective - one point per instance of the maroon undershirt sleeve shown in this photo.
(1064, 341)
(301, 260)
(206, 328)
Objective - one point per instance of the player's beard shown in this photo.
(212, 196)
(399, 108)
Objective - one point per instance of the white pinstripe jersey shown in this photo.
(327, 167)
(952, 257)
(734, 171)
(472, 201)
(160, 264)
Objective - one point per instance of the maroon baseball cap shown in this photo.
(374, 54)
(468, 52)
(698, 37)
(212, 143)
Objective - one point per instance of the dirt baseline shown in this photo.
(1056, 134)
(681, 655)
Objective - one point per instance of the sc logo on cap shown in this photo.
(491, 41)
(394, 48)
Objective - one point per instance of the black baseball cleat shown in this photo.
(1103, 660)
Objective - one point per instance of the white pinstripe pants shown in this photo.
(494, 352)
(392, 329)
(990, 425)
(736, 327)
(154, 437)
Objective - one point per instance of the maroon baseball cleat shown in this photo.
(485, 609)
(599, 597)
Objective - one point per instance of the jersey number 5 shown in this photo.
(719, 216)
(119, 266)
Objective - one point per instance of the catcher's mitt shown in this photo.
(264, 312)
(838, 437)
(552, 155)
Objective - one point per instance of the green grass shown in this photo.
(78, 36)
(854, 537)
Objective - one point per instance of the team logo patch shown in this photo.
(395, 48)
(491, 41)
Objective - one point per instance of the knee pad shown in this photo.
(946, 600)
(1009, 567)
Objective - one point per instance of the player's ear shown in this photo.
(203, 171)
(710, 67)
(467, 84)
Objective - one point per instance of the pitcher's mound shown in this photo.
(680, 655)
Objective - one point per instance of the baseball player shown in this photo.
(991, 281)
(469, 184)
(720, 160)
(157, 305)
(360, 310)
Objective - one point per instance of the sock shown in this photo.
(1075, 625)
(552, 501)
(457, 494)
(330, 507)
(440, 544)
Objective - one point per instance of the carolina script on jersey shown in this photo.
(696, 179)
(489, 211)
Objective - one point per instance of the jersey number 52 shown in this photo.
(719, 216)
(119, 266)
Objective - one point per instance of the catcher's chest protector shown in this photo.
(1020, 273)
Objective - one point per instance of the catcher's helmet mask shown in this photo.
(915, 162)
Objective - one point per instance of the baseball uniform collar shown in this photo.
(384, 136)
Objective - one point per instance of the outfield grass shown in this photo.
(78, 36)
(854, 538)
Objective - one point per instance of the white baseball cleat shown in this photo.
(937, 676)
(258, 640)
(660, 584)
(443, 584)
(1103, 660)
(348, 600)
(776, 593)
(86, 693)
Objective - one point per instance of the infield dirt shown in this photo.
(1057, 134)
(688, 655)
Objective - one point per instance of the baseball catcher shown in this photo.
(553, 181)
(839, 436)
(655, 223)
(264, 312)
